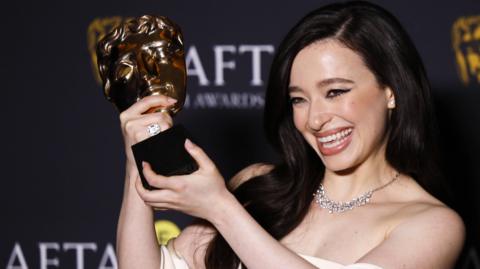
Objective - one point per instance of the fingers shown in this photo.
(163, 198)
(199, 156)
(134, 123)
(148, 102)
(160, 196)
(137, 128)
(156, 180)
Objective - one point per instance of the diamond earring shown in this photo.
(391, 103)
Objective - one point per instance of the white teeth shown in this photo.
(335, 139)
(334, 144)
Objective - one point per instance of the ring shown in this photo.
(153, 129)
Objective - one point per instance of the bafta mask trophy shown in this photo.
(145, 56)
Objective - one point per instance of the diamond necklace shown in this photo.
(339, 207)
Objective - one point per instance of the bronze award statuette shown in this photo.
(145, 56)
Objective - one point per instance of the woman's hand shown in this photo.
(134, 122)
(196, 194)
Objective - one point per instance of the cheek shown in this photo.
(372, 112)
(364, 106)
(299, 119)
(351, 111)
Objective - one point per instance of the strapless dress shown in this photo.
(170, 260)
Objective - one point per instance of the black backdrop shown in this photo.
(62, 154)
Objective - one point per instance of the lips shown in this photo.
(334, 141)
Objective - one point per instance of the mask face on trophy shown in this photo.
(143, 57)
(144, 63)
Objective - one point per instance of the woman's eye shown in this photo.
(336, 92)
(296, 100)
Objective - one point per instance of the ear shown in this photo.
(390, 98)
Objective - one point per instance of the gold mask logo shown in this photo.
(466, 45)
(97, 29)
(165, 231)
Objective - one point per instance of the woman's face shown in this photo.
(338, 105)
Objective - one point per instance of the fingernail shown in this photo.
(188, 144)
(170, 100)
(144, 164)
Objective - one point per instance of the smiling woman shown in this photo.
(338, 105)
(348, 108)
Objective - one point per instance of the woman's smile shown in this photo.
(338, 105)
(334, 141)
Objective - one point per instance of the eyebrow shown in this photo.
(323, 83)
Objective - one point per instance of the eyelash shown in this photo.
(330, 95)
(336, 92)
(295, 100)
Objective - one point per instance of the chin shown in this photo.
(339, 167)
(343, 163)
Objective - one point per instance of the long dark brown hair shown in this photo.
(279, 200)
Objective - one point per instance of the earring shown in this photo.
(391, 103)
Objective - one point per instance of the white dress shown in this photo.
(171, 260)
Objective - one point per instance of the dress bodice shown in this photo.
(171, 260)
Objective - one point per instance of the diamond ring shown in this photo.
(153, 129)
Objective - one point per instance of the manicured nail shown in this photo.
(144, 164)
(188, 144)
(170, 100)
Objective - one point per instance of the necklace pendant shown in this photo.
(338, 207)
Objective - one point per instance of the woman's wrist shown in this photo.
(220, 213)
(131, 171)
(130, 191)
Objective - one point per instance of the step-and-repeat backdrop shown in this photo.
(62, 160)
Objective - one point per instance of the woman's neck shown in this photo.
(348, 184)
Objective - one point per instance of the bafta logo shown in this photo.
(466, 45)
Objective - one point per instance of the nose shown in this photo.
(318, 116)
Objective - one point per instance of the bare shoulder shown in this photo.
(423, 210)
(247, 173)
(436, 220)
(192, 244)
(434, 231)
(427, 234)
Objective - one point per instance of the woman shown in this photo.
(348, 107)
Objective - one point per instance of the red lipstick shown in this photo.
(334, 141)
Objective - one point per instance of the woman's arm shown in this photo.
(255, 247)
(137, 246)
(203, 194)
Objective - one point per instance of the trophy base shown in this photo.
(166, 154)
